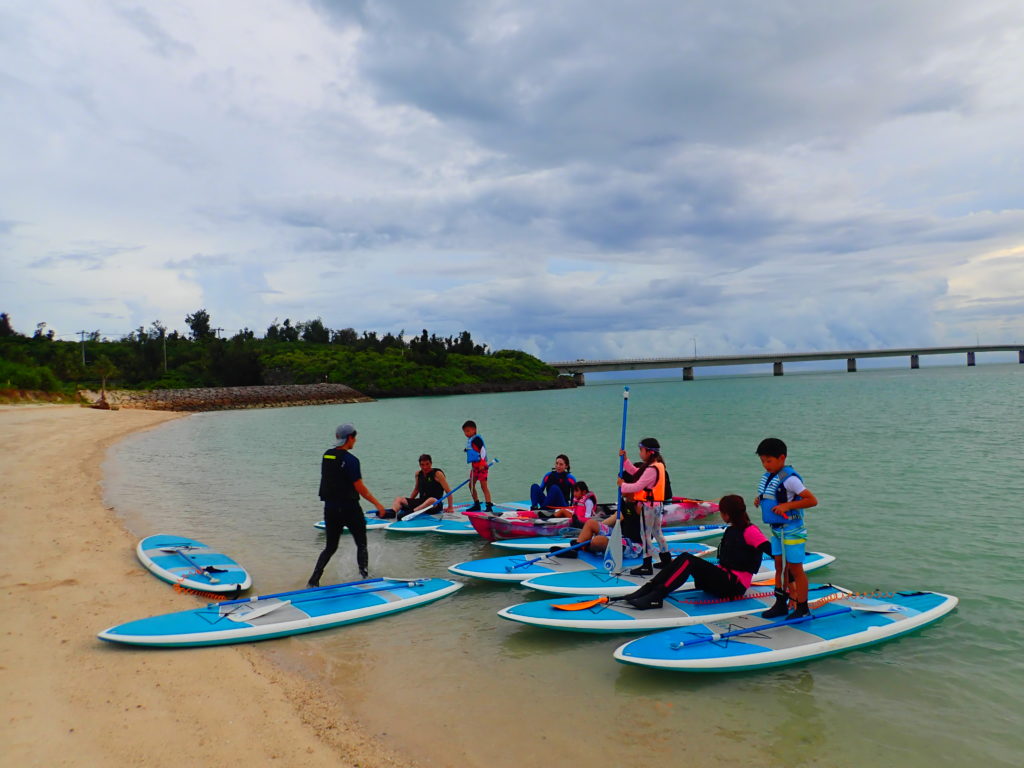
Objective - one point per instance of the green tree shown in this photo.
(199, 322)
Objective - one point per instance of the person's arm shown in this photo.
(363, 491)
(647, 480)
(478, 443)
(754, 537)
(439, 476)
(806, 500)
(415, 486)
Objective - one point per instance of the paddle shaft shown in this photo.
(312, 598)
(533, 560)
(714, 637)
(195, 564)
(413, 515)
(254, 598)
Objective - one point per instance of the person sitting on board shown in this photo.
(597, 530)
(739, 558)
(647, 487)
(555, 488)
(476, 457)
(782, 497)
(584, 504)
(430, 484)
(341, 485)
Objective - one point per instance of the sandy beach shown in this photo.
(67, 570)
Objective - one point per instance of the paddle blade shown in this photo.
(581, 606)
(613, 552)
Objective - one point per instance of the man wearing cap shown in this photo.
(341, 485)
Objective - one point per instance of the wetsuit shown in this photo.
(339, 472)
(427, 487)
(553, 491)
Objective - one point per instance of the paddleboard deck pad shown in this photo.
(758, 643)
(691, 606)
(373, 523)
(192, 564)
(517, 568)
(600, 582)
(288, 613)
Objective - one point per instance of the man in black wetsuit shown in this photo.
(341, 485)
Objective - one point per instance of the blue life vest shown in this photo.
(472, 454)
(772, 491)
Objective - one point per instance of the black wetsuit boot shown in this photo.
(664, 560)
(781, 607)
(646, 568)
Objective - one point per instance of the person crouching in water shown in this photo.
(739, 558)
(648, 488)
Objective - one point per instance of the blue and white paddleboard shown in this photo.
(750, 642)
(456, 527)
(544, 543)
(516, 568)
(192, 564)
(373, 523)
(600, 582)
(679, 609)
(287, 613)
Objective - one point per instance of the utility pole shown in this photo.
(216, 332)
(164, 335)
(82, 334)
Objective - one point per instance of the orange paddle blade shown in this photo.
(581, 606)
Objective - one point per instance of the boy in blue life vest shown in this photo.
(476, 457)
(782, 497)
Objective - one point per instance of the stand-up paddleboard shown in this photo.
(750, 642)
(544, 543)
(516, 568)
(192, 564)
(600, 582)
(287, 613)
(373, 523)
(679, 609)
(456, 527)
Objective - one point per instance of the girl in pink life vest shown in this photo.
(584, 502)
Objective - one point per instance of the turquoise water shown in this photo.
(920, 476)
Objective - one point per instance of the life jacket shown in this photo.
(735, 554)
(579, 507)
(428, 485)
(772, 491)
(472, 454)
(662, 490)
(335, 484)
(564, 480)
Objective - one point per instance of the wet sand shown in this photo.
(68, 570)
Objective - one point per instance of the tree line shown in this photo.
(288, 353)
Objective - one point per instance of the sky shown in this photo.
(576, 179)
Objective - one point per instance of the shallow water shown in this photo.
(921, 480)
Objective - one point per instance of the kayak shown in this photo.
(424, 523)
(600, 582)
(192, 564)
(750, 642)
(280, 615)
(691, 606)
(544, 543)
(517, 568)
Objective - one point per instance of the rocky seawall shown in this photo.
(226, 398)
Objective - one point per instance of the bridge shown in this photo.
(578, 368)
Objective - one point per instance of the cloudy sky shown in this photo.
(579, 178)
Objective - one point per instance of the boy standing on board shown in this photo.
(341, 485)
(782, 497)
(476, 457)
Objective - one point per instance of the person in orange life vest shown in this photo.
(739, 558)
(782, 497)
(646, 486)
(476, 457)
(430, 484)
(341, 485)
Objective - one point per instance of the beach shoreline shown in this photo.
(68, 570)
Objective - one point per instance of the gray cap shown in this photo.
(343, 433)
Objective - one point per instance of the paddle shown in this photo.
(413, 515)
(532, 560)
(201, 570)
(265, 609)
(254, 598)
(613, 551)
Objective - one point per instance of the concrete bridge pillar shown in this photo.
(851, 365)
(970, 358)
(915, 362)
(579, 379)
(777, 368)
(1020, 356)
(688, 372)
